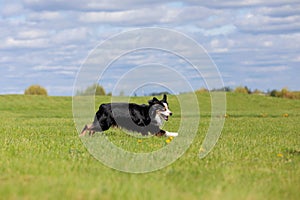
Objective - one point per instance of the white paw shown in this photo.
(171, 134)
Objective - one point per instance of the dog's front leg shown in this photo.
(171, 134)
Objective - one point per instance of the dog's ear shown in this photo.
(164, 98)
(153, 101)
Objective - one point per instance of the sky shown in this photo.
(253, 43)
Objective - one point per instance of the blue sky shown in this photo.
(252, 42)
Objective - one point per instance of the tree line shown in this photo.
(98, 90)
(283, 93)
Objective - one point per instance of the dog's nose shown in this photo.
(171, 114)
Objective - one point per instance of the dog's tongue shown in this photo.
(166, 118)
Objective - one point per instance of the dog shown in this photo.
(143, 118)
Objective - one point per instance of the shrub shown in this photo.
(243, 90)
(94, 89)
(285, 93)
(257, 91)
(201, 90)
(36, 90)
(274, 93)
(227, 89)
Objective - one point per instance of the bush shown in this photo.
(243, 90)
(274, 93)
(36, 90)
(95, 89)
(258, 92)
(285, 93)
(201, 90)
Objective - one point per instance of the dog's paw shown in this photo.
(171, 134)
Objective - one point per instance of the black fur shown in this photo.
(130, 116)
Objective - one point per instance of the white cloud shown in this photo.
(266, 24)
(280, 11)
(32, 34)
(11, 9)
(71, 36)
(88, 5)
(119, 17)
(217, 47)
(9, 43)
(263, 69)
(53, 68)
(233, 4)
(45, 16)
(140, 16)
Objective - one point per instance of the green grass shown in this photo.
(256, 157)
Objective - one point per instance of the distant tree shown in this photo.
(248, 90)
(257, 91)
(94, 89)
(274, 93)
(240, 89)
(227, 89)
(201, 90)
(100, 90)
(285, 93)
(36, 90)
(158, 93)
(222, 89)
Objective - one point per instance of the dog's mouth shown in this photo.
(165, 117)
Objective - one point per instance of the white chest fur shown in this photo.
(159, 120)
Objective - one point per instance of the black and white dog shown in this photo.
(133, 117)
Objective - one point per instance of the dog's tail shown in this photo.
(87, 128)
(84, 130)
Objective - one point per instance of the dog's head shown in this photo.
(159, 108)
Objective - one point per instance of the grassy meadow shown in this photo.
(256, 157)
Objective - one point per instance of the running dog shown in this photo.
(145, 119)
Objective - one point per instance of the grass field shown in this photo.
(256, 157)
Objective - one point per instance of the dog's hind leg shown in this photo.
(160, 133)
